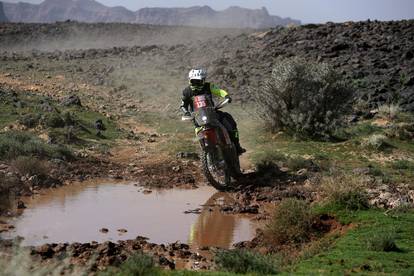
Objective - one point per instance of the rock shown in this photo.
(188, 155)
(122, 231)
(302, 172)
(46, 251)
(72, 100)
(21, 205)
(147, 192)
(195, 211)
(104, 230)
(176, 169)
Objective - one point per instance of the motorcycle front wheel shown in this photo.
(216, 170)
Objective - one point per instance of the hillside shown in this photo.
(93, 11)
(376, 57)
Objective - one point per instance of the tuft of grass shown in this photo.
(53, 120)
(377, 142)
(244, 261)
(27, 165)
(30, 120)
(389, 111)
(297, 163)
(402, 165)
(345, 191)
(383, 242)
(291, 223)
(15, 144)
(138, 264)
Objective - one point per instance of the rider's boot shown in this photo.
(236, 140)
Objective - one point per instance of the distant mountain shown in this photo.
(3, 17)
(93, 11)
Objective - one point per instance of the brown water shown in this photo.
(76, 213)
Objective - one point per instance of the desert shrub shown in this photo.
(291, 223)
(267, 168)
(15, 144)
(6, 183)
(383, 241)
(402, 165)
(297, 163)
(69, 119)
(53, 120)
(402, 131)
(30, 120)
(377, 142)
(389, 111)
(306, 98)
(346, 191)
(30, 166)
(138, 264)
(243, 261)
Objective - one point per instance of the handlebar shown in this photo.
(187, 118)
(222, 104)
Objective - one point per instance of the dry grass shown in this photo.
(345, 190)
(377, 142)
(291, 223)
(30, 166)
(389, 111)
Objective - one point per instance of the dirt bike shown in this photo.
(219, 157)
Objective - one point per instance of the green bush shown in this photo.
(402, 131)
(291, 223)
(243, 261)
(306, 98)
(383, 241)
(53, 120)
(14, 144)
(69, 119)
(30, 166)
(30, 120)
(136, 265)
(402, 165)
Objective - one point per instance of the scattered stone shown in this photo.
(195, 211)
(71, 101)
(123, 231)
(104, 230)
(21, 205)
(188, 155)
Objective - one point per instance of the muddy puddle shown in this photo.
(79, 212)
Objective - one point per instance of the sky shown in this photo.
(308, 11)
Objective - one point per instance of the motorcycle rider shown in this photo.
(199, 86)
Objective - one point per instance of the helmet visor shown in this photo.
(197, 82)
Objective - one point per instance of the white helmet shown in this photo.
(197, 74)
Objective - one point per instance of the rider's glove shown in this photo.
(228, 98)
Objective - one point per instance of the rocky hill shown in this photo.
(232, 17)
(93, 11)
(3, 17)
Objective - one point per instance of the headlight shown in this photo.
(204, 118)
